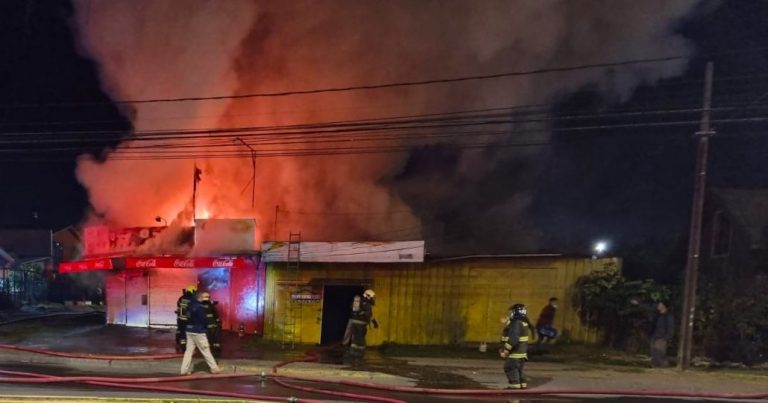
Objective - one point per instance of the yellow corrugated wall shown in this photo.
(439, 302)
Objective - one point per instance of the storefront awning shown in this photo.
(144, 263)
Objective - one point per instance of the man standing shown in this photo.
(514, 347)
(362, 316)
(182, 316)
(213, 323)
(545, 323)
(661, 335)
(196, 338)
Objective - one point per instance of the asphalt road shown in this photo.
(247, 386)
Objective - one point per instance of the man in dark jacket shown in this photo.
(545, 323)
(196, 338)
(661, 335)
(514, 347)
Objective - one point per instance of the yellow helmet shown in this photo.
(206, 296)
(369, 294)
(191, 288)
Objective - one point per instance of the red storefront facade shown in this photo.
(142, 290)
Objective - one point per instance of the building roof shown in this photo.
(26, 243)
(748, 209)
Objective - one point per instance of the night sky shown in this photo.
(632, 188)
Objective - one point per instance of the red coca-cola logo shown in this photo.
(184, 263)
(223, 263)
(146, 263)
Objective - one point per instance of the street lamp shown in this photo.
(599, 249)
(161, 219)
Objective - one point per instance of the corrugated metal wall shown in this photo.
(444, 302)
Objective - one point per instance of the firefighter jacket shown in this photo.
(182, 305)
(514, 339)
(362, 312)
(211, 315)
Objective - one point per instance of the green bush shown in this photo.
(622, 310)
(732, 319)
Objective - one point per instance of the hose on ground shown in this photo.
(313, 355)
(99, 381)
(108, 357)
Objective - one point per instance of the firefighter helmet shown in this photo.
(369, 294)
(518, 311)
(191, 289)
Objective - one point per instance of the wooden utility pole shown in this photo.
(694, 237)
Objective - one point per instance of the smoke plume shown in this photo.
(148, 49)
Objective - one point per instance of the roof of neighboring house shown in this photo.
(6, 260)
(748, 208)
(26, 243)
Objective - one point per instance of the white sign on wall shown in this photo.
(348, 252)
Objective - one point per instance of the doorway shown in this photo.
(337, 306)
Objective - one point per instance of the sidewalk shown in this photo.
(384, 367)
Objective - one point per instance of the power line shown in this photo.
(344, 127)
(375, 86)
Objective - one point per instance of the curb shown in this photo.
(171, 367)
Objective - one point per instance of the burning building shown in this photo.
(143, 283)
(301, 292)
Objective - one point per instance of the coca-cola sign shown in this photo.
(184, 263)
(223, 263)
(145, 263)
(85, 265)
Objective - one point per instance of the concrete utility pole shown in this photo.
(694, 238)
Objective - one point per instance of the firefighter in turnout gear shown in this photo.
(514, 346)
(213, 330)
(362, 316)
(182, 317)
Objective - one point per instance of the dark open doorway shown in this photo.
(337, 306)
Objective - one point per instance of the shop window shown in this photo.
(722, 232)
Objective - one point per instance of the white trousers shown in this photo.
(199, 341)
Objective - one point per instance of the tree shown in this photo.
(604, 301)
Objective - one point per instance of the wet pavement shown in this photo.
(88, 334)
(258, 386)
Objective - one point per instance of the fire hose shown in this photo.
(313, 355)
(107, 357)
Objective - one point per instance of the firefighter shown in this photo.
(213, 330)
(182, 317)
(514, 347)
(362, 316)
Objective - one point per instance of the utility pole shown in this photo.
(694, 237)
(253, 171)
(274, 229)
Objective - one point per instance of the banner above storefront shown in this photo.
(143, 263)
(86, 265)
(348, 252)
(184, 263)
